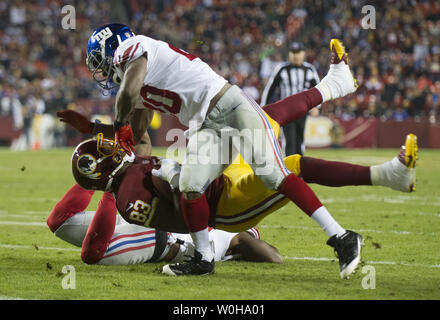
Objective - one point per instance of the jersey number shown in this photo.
(142, 211)
(161, 100)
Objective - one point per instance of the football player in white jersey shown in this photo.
(106, 238)
(173, 81)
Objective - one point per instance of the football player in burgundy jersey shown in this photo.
(106, 238)
(173, 81)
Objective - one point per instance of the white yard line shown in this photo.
(21, 223)
(15, 298)
(29, 215)
(6, 212)
(22, 216)
(431, 214)
(24, 213)
(406, 264)
(11, 298)
(399, 232)
(398, 198)
(19, 246)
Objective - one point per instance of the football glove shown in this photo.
(124, 136)
(186, 249)
(168, 171)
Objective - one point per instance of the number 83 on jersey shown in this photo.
(143, 212)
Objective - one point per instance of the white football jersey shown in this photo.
(176, 82)
(133, 244)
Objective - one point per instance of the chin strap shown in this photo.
(127, 159)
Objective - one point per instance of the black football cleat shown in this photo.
(348, 250)
(195, 266)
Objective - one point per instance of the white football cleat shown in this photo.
(399, 173)
(339, 80)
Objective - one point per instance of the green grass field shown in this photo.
(401, 232)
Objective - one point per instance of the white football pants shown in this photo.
(236, 125)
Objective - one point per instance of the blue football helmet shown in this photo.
(101, 47)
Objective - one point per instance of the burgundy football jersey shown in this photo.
(138, 195)
(135, 199)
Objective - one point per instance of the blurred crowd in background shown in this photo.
(397, 65)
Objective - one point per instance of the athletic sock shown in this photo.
(300, 193)
(327, 222)
(196, 214)
(202, 244)
(334, 173)
(293, 107)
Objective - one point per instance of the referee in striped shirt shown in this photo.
(289, 78)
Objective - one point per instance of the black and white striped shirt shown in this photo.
(289, 79)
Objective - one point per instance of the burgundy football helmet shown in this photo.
(95, 162)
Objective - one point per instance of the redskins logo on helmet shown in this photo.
(95, 163)
(86, 164)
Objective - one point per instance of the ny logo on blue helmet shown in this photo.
(101, 47)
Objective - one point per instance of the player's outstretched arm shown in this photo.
(83, 125)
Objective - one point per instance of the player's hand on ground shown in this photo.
(76, 120)
(124, 136)
(168, 171)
